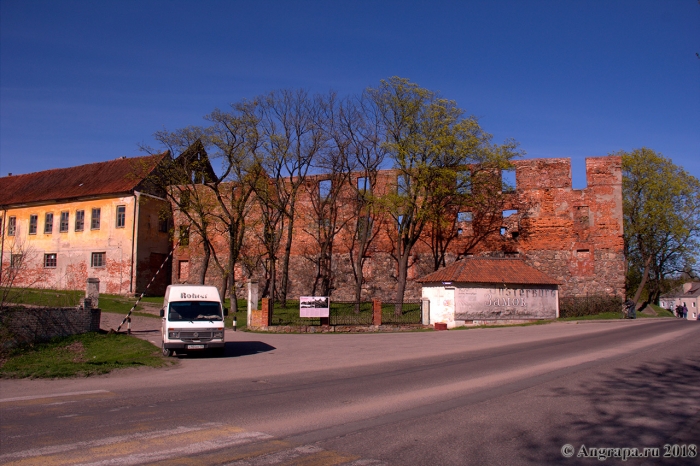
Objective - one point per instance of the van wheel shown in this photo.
(166, 351)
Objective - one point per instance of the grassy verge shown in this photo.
(68, 298)
(81, 355)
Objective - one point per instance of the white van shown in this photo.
(192, 319)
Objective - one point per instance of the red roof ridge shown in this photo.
(484, 270)
(122, 175)
(123, 157)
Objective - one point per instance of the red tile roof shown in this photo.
(112, 177)
(490, 270)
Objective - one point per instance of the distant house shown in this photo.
(102, 220)
(479, 290)
(688, 294)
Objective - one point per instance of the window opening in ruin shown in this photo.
(399, 222)
(464, 182)
(163, 225)
(324, 189)
(364, 227)
(363, 184)
(33, 221)
(11, 226)
(402, 185)
(63, 225)
(578, 173)
(79, 220)
(582, 216)
(503, 231)
(464, 217)
(50, 260)
(121, 216)
(508, 181)
(183, 270)
(98, 259)
(16, 260)
(48, 223)
(460, 231)
(515, 234)
(95, 219)
(184, 235)
(583, 253)
(184, 200)
(508, 213)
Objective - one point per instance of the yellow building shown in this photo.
(102, 220)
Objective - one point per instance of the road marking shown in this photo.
(95, 443)
(198, 444)
(55, 395)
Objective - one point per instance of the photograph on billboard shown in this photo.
(314, 306)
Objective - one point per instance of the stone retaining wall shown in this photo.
(23, 324)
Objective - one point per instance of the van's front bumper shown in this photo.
(193, 346)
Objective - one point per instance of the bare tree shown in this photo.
(359, 124)
(292, 138)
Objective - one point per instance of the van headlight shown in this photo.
(218, 334)
(173, 334)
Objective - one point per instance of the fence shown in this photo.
(408, 312)
(578, 306)
(350, 313)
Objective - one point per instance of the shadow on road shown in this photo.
(649, 405)
(232, 350)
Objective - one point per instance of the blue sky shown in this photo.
(87, 81)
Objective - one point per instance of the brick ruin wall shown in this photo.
(572, 235)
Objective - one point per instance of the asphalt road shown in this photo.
(489, 396)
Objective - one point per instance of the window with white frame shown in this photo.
(33, 222)
(79, 220)
(95, 219)
(121, 216)
(50, 261)
(63, 225)
(48, 223)
(98, 259)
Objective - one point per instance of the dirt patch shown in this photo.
(78, 351)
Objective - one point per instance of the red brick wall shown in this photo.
(572, 235)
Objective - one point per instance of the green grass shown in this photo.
(38, 297)
(81, 355)
(601, 316)
(526, 324)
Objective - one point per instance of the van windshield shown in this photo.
(194, 310)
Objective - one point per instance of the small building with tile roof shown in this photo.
(479, 290)
(688, 294)
(101, 220)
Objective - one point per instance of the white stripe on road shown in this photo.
(279, 457)
(186, 450)
(54, 395)
(100, 442)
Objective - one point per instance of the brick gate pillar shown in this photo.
(266, 314)
(376, 312)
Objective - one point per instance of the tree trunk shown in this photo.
(645, 275)
(205, 264)
(285, 264)
(401, 288)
